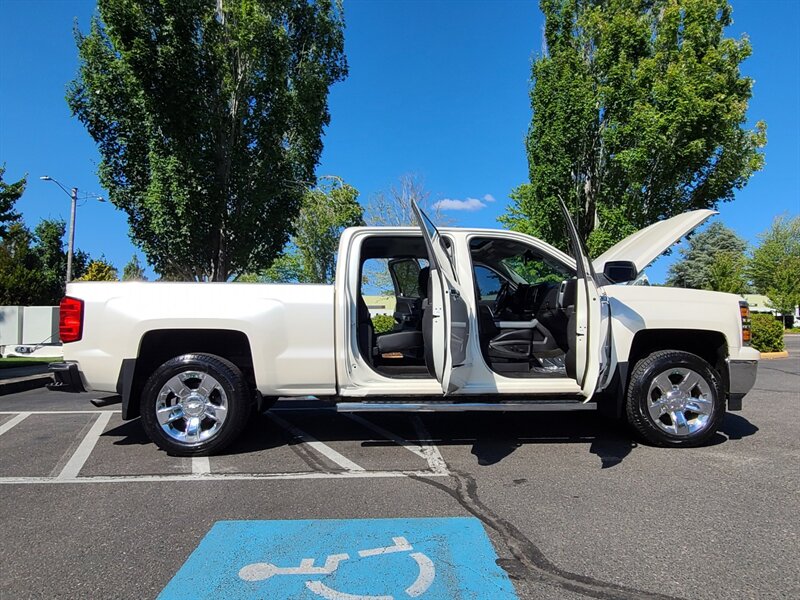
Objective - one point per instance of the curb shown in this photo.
(771, 355)
(23, 384)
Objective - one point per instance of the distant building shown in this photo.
(380, 305)
(759, 303)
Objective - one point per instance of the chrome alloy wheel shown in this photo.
(191, 407)
(680, 401)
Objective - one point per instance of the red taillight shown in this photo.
(70, 320)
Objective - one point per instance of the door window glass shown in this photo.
(375, 278)
(406, 275)
(488, 283)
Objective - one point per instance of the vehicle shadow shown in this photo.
(130, 433)
(737, 427)
(606, 439)
(260, 434)
(493, 437)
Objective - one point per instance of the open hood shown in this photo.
(644, 246)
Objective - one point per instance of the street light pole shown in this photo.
(73, 194)
(71, 247)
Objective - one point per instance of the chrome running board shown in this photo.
(462, 406)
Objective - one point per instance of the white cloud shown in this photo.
(489, 198)
(469, 204)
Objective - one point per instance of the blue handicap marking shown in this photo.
(343, 559)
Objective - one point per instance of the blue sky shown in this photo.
(436, 88)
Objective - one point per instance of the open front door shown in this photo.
(445, 324)
(588, 338)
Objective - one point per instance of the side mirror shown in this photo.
(620, 271)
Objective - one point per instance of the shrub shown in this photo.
(767, 333)
(383, 323)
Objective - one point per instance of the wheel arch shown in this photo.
(159, 345)
(711, 346)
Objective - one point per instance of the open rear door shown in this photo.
(588, 337)
(446, 328)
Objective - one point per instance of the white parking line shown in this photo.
(432, 454)
(314, 443)
(13, 422)
(60, 412)
(413, 448)
(221, 477)
(81, 455)
(201, 465)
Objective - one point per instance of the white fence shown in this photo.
(28, 326)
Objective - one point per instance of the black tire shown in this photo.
(229, 388)
(692, 425)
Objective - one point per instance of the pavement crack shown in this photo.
(792, 373)
(527, 555)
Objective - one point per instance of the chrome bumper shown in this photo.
(741, 378)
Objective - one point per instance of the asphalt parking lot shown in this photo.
(572, 506)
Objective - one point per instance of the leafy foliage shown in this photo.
(9, 194)
(310, 257)
(767, 332)
(713, 260)
(208, 117)
(383, 323)
(775, 265)
(638, 114)
(33, 265)
(287, 268)
(100, 270)
(727, 273)
(21, 280)
(133, 271)
(50, 248)
(326, 211)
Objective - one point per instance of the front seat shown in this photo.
(407, 341)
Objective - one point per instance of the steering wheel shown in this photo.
(503, 297)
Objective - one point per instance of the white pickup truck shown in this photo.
(485, 320)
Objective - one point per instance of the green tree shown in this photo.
(33, 265)
(22, 282)
(208, 117)
(9, 194)
(639, 113)
(287, 268)
(52, 256)
(310, 257)
(325, 213)
(100, 270)
(710, 259)
(775, 265)
(727, 273)
(133, 271)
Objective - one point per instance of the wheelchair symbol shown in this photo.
(262, 570)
